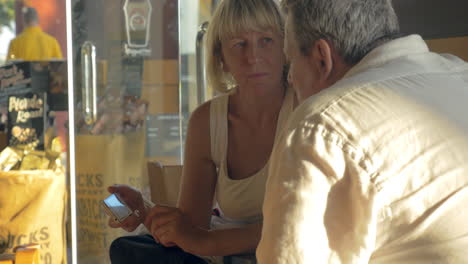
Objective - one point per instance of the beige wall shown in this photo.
(457, 46)
(161, 86)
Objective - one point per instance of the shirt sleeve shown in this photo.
(11, 51)
(319, 201)
(57, 53)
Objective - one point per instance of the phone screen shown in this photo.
(120, 210)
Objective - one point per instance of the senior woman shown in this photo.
(228, 146)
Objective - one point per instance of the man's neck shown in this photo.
(339, 72)
(340, 68)
(32, 24)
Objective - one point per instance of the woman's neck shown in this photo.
(255, 106)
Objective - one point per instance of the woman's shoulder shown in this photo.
(201, 115)
(203, 110)
(200, 118)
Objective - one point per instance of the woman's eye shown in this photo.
(267, 40)
(239, 44)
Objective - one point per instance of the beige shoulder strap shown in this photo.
(218, 128)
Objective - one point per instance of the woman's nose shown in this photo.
(253, 54)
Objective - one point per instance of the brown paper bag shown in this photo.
(103, 160)
(32, 206)
(164, 182)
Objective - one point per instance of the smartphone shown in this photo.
(116, 208)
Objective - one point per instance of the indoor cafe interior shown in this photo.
(112, 105)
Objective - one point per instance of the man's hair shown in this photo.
(30, 15)
(354, 27)
(232, 17)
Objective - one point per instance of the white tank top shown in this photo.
(239, 201)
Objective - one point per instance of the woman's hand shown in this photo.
(170, 227)
(133, 198)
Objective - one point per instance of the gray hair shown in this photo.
(232, 17)
(30, 15)
(354, 27)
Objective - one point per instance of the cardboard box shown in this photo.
(165, 182)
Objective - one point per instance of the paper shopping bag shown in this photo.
(103, 160)
(32, 210)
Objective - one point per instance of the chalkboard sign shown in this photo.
(35, 76)
(22, 77)
(26, 119)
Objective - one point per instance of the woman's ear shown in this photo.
(323, 58)
(223, 65)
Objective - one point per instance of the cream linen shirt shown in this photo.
(375, 168)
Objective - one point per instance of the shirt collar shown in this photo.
(33, 29)
(412, 44)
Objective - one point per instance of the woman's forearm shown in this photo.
(147, 205)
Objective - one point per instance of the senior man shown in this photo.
(373, 167)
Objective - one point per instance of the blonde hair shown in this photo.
(232, 17)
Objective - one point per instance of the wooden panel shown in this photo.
(3, 140)
(455, 46)
(433, 18)
(162, 98)
(160, 72)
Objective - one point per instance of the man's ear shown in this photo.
(322, 55)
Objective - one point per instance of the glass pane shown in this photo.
(126, 92)
(33, 127)
(131, 102)
(194, 17)
(134, 87)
